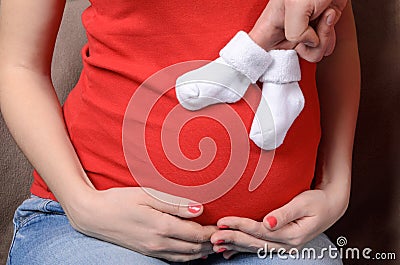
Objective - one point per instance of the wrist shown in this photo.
(79, 205)
(338, 198)
(333, 178)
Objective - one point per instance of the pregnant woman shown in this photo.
(87, 206)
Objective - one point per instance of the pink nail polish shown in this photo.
(194, 207)
(221, 250)
(204, 257)
(219, 242)
(223, 227)
(272, 221)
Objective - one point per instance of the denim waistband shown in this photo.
(33, 207)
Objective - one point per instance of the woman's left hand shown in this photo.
(291, 226)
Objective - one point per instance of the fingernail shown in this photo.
(221, 250)
(204, 257)
(309, 44)
(272, 221)
(330, 19)
(194, 207)
(219, 242)
(223, 227)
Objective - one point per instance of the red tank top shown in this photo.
(128, 42)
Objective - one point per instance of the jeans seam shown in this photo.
(17, 226)
(8, 262)
(41, 210)
(21, 222)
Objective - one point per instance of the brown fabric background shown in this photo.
(373, 217)
(15, 170)
(374, 214)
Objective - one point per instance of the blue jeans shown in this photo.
(44, 236)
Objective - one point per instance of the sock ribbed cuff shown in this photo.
(285, 67)
(243, 54)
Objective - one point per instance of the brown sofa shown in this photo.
(373, 217)
(15, 170)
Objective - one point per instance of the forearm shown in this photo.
(28, 101)
(33, 114)
(338, 78)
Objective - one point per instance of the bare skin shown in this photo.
(285, 24)
(312, 212)
(33, 114)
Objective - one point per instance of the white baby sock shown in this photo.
(225, 79)
(282, 100)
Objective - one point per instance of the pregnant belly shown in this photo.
(207, 156)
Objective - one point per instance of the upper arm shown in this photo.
(345, 28)
(338, 80)
(344, 61)
(28, 30)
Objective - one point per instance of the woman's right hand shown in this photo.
(284, 24)
(132, 218)
(125, 216)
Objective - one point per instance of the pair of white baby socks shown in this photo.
(225, 80)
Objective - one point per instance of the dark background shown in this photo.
(373, 216)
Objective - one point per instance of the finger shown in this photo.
(171, 204)
(308, 37)
(176, 228)
(338, 12)
(296, 233)
(184, 247)
(232, 248)
(242, 242)
(246, 225)
(194, 232)
(229, 254)
(297, 19)
(268, 248)
(170, 226)
(324, 29)
(332, 44)
(291, 211)
(305, 52)
(174, 257)
(298, 15)
(256, 229)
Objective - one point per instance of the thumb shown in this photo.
(326, 38)
(282, 216)
(309, 37)
(332, 44)
(174, 205)
(297, 23)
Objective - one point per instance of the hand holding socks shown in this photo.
(225, 80)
